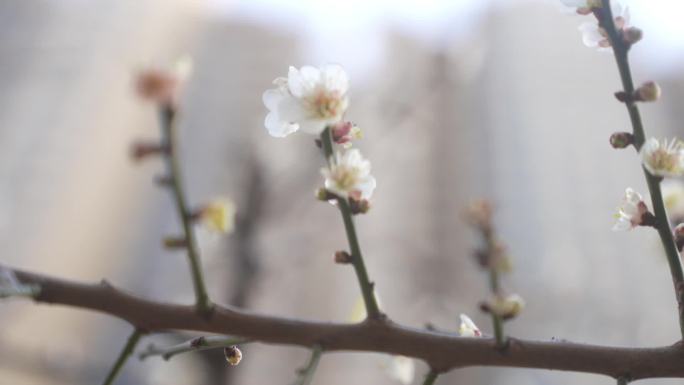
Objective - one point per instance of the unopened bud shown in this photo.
(624, 97)
(233, 355)
(632, 35)
(142, 150)
(322, 194)
(648, 92)
(342, 257)
(679, 236)
(359, 206)
(505, 307)
(621, 140)
(175, 243)
(479, 213)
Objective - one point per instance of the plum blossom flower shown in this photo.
(218, 216)
(663, 158)
(349, 175)
(162, 85)
(594, 36)
(401, 369)
(583, 7)
(468, 327)
(632, 212)
(309, 99)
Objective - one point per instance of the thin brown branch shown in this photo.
(193, 345)
(441, 351)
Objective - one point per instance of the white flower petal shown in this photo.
(622, 224)
(313, 126)
(468, 328)
(335, 78)
(277, 127)
(303, 81)
(272, 98)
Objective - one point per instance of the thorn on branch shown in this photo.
(172, 243)
(163, 180)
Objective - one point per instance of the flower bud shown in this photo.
(217, 216)
(621, 140)
(342, 257)
(359, 206)
(679, 236)
(479, 213)
(468, 328)
(648, 92)
(632, 35)
(322, 194)
(233, 355)
(505, 307)
(142, 150)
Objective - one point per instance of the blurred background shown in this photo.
(457, 99)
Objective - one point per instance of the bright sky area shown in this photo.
(333, 28)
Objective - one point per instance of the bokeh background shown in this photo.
(457, 99)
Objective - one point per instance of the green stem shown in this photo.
(123, 356)
(430, 378)
(372, 308)
(621, 51)
(622, 381)
(169, 140)
(305, 374)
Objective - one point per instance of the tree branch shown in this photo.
(194, 345)
(621, 51)
(168, 128)
(441, 351)
(367, 289)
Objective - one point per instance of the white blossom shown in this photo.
(349, 175)
(505, 306)
(595, 36)
(468, 327)
(401, 369)
(631, 213)
(663, 158)
(219, 215)
(309, 99)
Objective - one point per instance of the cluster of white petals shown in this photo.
(506, 306)
(309, 99)
(468, 328)
(595, 36)
(349, 175)
(631, 213)
(663, 158)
